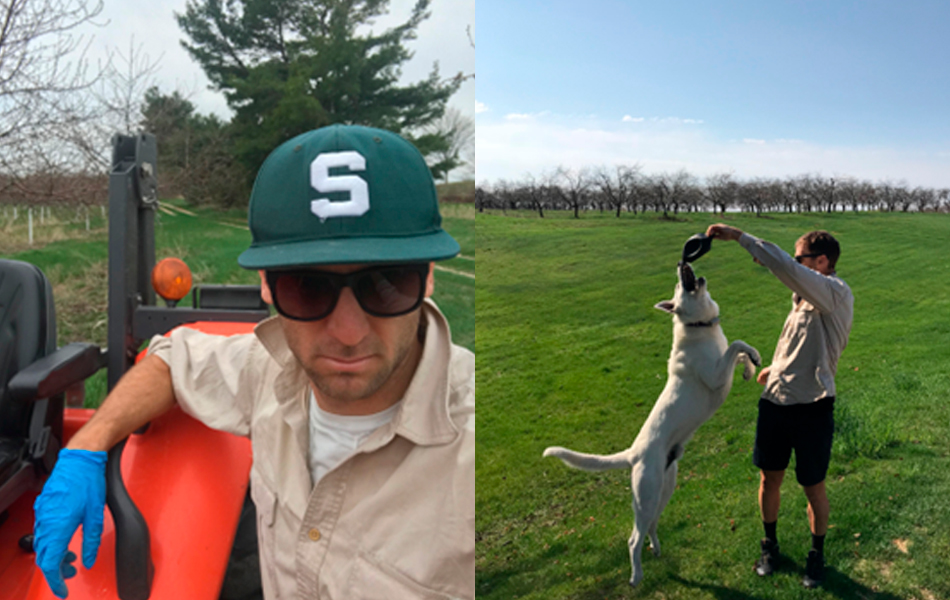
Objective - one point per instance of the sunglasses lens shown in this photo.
(304, 296)
(389, 292)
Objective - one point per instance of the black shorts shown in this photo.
(806, 428)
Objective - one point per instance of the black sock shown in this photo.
(818, 543)
(770, 531)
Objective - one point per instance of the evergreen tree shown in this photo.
(193, 152)
(289, 66)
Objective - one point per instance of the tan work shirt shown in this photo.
(394, 520)
(815, 332)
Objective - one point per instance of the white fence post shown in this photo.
(29, 213)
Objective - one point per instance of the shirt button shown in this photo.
(314, 535)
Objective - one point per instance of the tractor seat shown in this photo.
(27, 334)
(34, 374)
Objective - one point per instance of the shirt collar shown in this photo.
(423, 417)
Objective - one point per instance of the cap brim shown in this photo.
(423, 248)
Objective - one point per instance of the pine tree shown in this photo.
(289, 66)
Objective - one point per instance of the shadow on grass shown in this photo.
(836, 584)
(529, 574)
(842, 586)
(716, 590)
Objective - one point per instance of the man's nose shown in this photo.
(348, 323)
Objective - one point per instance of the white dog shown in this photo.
(700, 372)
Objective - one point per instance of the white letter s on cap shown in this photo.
(321, 180)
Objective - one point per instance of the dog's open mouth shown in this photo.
(687, 277)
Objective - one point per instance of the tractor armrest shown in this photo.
(52, 374)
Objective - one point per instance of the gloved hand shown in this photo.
(74, 494)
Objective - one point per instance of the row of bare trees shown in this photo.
(626, 188)
(58, 110)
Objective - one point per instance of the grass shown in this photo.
(209, 240)
(571, 352)
(50, 224)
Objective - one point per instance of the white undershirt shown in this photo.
(334, 437)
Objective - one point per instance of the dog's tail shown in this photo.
(592, 462)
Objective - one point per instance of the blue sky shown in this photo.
(756, 88)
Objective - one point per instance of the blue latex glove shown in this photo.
(74, 494)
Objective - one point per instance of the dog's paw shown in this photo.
(636, 578)
(755, 357)
(748, 372)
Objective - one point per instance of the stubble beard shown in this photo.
(352, 387)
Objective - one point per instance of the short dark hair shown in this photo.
(822, 242)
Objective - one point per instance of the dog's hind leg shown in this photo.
(669, 484)
(646, 478)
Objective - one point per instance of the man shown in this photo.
(359, 408)
(796, 410)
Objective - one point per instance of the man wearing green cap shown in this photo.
(359, 408)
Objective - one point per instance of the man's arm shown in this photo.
(143, 393)
(818, 289)
(75, 493)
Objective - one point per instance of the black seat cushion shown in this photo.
(27, 333)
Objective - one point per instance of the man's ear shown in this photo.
(430, 280)
(666, 306)
(265, 289)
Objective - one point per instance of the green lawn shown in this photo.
(209, 241)
(571, 352)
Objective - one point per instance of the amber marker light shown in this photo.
(171, 279)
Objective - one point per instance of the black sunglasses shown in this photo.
(382, 291)
(801, 257)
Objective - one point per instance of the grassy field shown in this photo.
(76, 263)
(571, 352)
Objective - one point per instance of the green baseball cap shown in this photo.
(345, 194)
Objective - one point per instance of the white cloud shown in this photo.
(518, 116)
(629, 119)
(480, 108)
(512, 147)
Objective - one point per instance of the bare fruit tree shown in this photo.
(458, 130)
(43, 79)
(121, 90)
(617, 185)
(572, 186)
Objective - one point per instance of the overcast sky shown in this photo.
(755, 88)
(440, 38)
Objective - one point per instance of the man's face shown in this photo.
(815, 263)
(357, 363)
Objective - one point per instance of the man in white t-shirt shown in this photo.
(359, 408)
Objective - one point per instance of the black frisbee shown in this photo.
(696, 246)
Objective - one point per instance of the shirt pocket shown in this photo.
(372, 579)
(265, 501)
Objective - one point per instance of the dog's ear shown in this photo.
(666, 306)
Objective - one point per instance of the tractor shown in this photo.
(176, 490)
